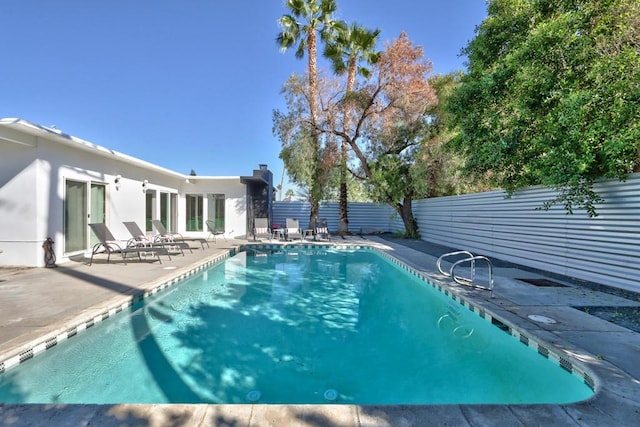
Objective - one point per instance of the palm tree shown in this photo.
(306, 19)
(351, 46)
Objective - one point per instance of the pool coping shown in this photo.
(614, 400)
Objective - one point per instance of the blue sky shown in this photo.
(185, 84)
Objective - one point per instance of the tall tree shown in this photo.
(307, 19)
(302, 149)
(351, 46)
(389, 121)
(441, 166)
(552, 97)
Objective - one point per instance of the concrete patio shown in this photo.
(37, 304)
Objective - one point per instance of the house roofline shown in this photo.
(81, 144)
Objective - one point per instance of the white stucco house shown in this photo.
(53, 185)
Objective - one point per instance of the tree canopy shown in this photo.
(353, 45)
(385, 126)
(388, 127)
(552, 97)
(309, 156)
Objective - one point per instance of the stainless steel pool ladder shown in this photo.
(471, 259)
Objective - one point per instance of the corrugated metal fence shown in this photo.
(605, 249)
(362, 216)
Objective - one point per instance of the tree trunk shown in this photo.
(405, 210)
(313, 110)
(313, 213)
(343, 223)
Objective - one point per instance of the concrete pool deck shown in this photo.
(36, 304)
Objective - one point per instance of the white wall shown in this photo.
(33, 170)
(235, 203)
(20, 216)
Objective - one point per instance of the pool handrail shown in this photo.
(463, 281)
(442, 257)
(472, 269)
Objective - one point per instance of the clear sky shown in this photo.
(185, 84)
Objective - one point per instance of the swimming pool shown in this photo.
(295, 326)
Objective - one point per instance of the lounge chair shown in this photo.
(166, 236)
(321, 230)
(214, 231)
(293, 230)
(140, 239)
(110, 245)
(261, 229)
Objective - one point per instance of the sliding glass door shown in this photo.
(75, 216)
(98, 212)
(168, 210)
(83, 203)
(215, 210)
(150, 209)
(194, 212)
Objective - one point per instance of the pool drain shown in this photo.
(331, 394)
(253, 396)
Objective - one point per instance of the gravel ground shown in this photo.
(627, 317)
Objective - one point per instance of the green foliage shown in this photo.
(389, 121)
(351, 45)
(431, 170)
(398, 171)
(440, 167)
(297, 156)
(308, 157)
(552, 97)
(305, 17)
(390, 178)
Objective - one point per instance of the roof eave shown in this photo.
(78, 143)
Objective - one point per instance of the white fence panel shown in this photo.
(604, 249)
(362, 216)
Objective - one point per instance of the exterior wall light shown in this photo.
(144, 186)
(117, 181)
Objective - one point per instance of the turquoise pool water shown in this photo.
(294, 326)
